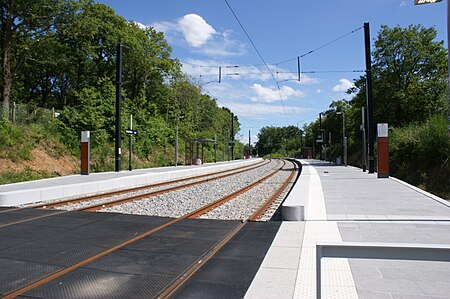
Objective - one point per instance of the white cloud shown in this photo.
(165, 26)
(140, 25)
(269, 95)
(343, 86)
(195, 29)
(307, 80)
(403, 3)
(319, 90)
(200, 36)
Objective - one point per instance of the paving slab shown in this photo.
(345, 204)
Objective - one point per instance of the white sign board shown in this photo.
(419, 2)
(382, 130)
(85, 135)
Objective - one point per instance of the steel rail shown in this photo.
(127, 190)
(59, 273)
(188, 273)
(100, 206)
(96, 207)
(275, 196)
(133, 189)
(235, 194)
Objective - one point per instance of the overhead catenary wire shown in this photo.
(260, 56)
(322, 46)
(284, 61)
(225, 105)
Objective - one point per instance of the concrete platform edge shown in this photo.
(67, 189)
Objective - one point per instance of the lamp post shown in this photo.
(321, 134)
(344, 139)
(301, 143)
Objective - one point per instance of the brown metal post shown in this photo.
(383, 151)
(85, 152)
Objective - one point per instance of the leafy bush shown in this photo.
(15, 142)
(419, 154)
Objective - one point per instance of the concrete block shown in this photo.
(293, 212)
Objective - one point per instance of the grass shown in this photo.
(28, 174)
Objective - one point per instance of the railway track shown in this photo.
(100, 201)
(183, 277)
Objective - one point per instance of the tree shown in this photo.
(409, 76)
(23, 25)
(282, 141)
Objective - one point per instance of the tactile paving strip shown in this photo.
(337, 279)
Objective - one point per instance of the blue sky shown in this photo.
(204, 35)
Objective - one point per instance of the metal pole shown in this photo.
(223, 152)
(448, 42)
(344, 140)
(369, 98)
(301, 143)
(249, 146)
(363, 141)
(118, 150)
(232, 137)
(215, 147)
(130, 166)
(321, 134)
(228, 147)
(176, 144)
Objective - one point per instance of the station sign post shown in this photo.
(85, 152)
(383, 151)
(130, 132)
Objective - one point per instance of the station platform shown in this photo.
(344, 204)
(77, 185)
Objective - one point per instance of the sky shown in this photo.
(261, 85)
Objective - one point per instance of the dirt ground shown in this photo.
(41, 161)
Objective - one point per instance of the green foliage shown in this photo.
(15, 142)
(409, 76)
(64, 56)
(420, 154)
(22, 176)
(410, 93)
(279, 142)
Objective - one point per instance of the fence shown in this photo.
(28, 114)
